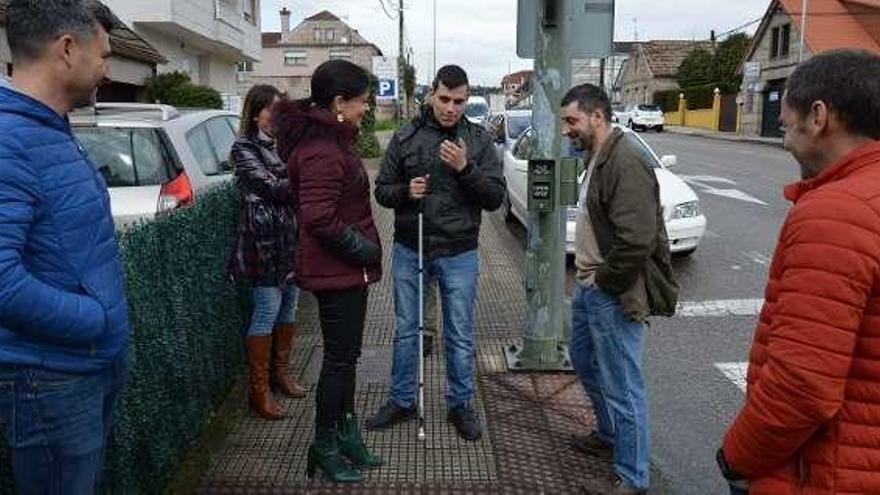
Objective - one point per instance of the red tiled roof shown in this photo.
(833, 24)
(270, 39)
(324, 15)
(665, 56)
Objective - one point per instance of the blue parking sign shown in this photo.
(387, 89)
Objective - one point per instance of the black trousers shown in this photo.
(342, 315)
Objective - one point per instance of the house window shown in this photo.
(785, 41)
(780, 41)
(330, 35)
(319, 34)
(245, 66)
(295, 58)
(774, 42)
(338, 53)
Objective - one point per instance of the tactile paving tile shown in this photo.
(527, 418)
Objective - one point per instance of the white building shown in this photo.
(204, 38)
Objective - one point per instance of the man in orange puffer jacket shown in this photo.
(811, 420)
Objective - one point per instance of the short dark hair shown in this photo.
(32, 24)
(847, 81)
(452, 76)
(258, 98)
(589, 99)
(338, 78)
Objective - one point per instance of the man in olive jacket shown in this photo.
(446, 167)
(624, 275)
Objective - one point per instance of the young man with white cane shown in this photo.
(448, 166)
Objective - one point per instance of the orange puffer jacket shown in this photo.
(811, 420)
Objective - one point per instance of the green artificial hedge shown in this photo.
(186, 348)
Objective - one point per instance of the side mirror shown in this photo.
(669, 161)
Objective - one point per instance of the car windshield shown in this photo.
(617, 107)
(649, 108)
(516, 124)
(476, 110)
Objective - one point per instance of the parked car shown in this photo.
(685, 223)
(643, 117)
(477, 110)
(155, 158)
(509, 126)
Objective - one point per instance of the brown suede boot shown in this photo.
(258, 349)
(281, 379)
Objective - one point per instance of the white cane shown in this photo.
(421, 404)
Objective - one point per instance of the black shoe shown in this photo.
(591, 444)
(466, 422)
(391, 414)
(428, 348)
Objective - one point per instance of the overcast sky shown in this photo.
(480, 35)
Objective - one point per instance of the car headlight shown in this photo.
(572, 214)
(690, 209)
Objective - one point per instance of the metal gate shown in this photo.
(772, 108)
(728, 113)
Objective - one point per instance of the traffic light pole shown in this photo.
(544, 347)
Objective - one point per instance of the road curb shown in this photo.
(733, 138)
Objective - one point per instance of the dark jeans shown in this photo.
(57, 424)
(342, 315)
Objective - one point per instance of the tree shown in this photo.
(727, 58)
(697, 69)
(176, 89)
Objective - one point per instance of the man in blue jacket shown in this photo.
(63, 325)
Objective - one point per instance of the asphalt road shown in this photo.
(693, 399)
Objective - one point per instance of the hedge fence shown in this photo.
(187, 323)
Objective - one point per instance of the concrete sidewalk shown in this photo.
(527, 418)
(723, 136)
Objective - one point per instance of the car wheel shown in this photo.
(684, 254)
(660, 128)
(630, 125)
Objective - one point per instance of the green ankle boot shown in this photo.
(352, 444)
(325, 453)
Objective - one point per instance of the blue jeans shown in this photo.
(273, 305)
(57, 424)
(457, 279)
(606, 351)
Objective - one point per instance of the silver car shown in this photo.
(155, 158)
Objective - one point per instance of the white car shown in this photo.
(477, 110)
(155, 158)
(685, 223)
(643, 117)
(510, 126)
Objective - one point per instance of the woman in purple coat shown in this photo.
(339, 252)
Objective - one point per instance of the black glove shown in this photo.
(355, 247)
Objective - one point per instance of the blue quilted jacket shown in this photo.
(62, 299)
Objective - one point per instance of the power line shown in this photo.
(740, 28)
(798, 14)
(385, 9)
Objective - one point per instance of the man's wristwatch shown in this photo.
(727, 471)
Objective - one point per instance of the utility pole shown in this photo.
(400, 65)
(544, 347)
(803, 30)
